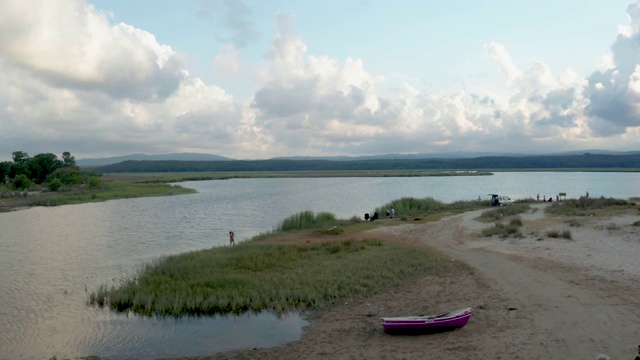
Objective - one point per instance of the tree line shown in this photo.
(586, 161)
(27, 171)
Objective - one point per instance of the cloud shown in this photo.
(227, 63)
(318, 105)
(235, 16)
(614, 92)
(69, 44)
(501, 57)
(73, 81)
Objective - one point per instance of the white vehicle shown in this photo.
(505, 200)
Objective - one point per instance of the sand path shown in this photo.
(569, 318)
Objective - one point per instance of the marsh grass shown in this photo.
(256, 276)
(509, 230)
(429, 208)
(586, 206)
(107, 190)
(307, 220)
(501, 212)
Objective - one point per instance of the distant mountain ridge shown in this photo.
(161, 157)
(452, 155)
(630, 162)
(441, 155)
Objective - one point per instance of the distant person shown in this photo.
(538, 197)
(393, 213)
(479, 198)
(232, 238)
(587, 195)
(557, 197)
(544, 198)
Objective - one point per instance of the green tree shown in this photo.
(20, 159)
(42, 165)
(69, 175)
(5, 169)
(67, 159)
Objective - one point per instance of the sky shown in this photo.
(255, 79)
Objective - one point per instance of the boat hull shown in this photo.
(427, 324)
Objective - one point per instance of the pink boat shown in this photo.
(427, 323)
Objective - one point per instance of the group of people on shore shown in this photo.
(558, 197)
(544, 198)
(389, 214)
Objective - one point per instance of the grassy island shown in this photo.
(107, 189)
(310, 260)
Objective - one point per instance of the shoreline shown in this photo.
(532, 298)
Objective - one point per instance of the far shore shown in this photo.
(134, 185)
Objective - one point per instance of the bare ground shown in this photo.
(534, 297)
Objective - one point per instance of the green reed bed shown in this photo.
(586, 206)
(106, 190)
(307, 220)
(409, 207)
(256, 276)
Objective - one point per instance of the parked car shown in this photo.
(505, 200)
(501, 200)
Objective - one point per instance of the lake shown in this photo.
(52, 258)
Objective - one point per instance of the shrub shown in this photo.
(21, 182)
(503, 231)
(516, 222)
(55, 185)
(574, 223)
(566, 234)
(94, 182)
(503, 211)
(70, 175)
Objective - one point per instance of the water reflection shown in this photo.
(52, 258)
(167, 337)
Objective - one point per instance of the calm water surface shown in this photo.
(52, 258)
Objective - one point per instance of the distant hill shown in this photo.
(451, 155)
(586, 161)
(442, 155)
(162, 157)
(92, 162)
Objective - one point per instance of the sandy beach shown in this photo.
(534, 297)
